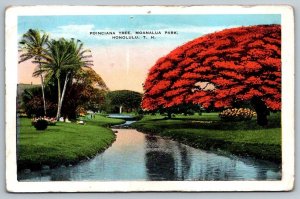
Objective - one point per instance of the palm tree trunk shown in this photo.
(58, 102)
(43, 92)
(62, 96)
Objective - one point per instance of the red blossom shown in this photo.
(190, 75)
(231, 74)
(182, 83)
(238, 63)
(225, 65)
(272, 63)
(223, 103)
(149, 103)
(208, 60)
(256, 43)
(222, 81)
(253, 80)
(178, 91)
(160, 86)
(269, 90)
(252, 66)
(176, 101)
(273, 40)
(192, 67)
(273, 104)
(186, 62)
(196, 95)
(202, 69)
(172, 73)
(165, 66)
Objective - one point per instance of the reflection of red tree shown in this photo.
(218, 69)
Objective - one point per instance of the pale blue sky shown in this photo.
(188, 26)
(124, 64)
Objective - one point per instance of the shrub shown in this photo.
(139, 117)
(235, 114)
(40, 124)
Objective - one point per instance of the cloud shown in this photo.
(72, 31)
(77, 28)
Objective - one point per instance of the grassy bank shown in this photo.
(64, 143)
(209, 132)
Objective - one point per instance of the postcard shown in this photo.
(149, 98)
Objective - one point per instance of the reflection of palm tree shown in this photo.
(261, 174)
(61, 174)
(185, 160)
(151, 141)
(160, 165)
(63, 58)
(32, 46)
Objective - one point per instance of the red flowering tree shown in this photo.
(219, 70)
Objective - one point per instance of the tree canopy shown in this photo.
(125, 98)
(219, 70)
(66, 66)
(63, 59)
(32, 46)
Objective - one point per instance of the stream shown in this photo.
(136, 156)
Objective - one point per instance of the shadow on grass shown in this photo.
(208, 124)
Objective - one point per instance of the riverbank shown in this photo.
(64, 143)
(210, 133)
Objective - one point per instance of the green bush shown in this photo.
(240, 114)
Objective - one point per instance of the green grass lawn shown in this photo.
(207, 131)
(64, 143)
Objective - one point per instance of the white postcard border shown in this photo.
(11, 62)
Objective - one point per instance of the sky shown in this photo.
(124, 63)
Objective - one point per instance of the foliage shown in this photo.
(83, 94)
(88, 76)
(220, 69)
(129, 100)
(87, 92)
(32, 102)
(237, 114)
(82, 97)
(66, 66)
(63, 58)
(32, 46)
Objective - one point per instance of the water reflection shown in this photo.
(185, 161)
(137, 156)
(160, 165)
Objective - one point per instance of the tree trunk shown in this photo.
(43, 92)
(62, 96)
(120, 109)
(261, 111)
(58, 101)
(169, 114)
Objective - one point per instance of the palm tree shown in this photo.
(32, 46)
(62, 60)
